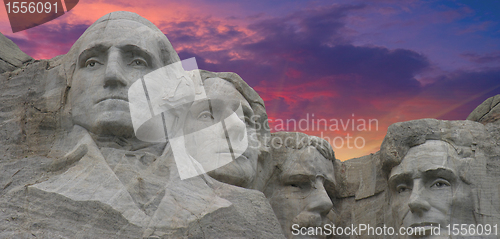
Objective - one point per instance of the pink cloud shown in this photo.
(297, 92)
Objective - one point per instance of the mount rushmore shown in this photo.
(119, 138)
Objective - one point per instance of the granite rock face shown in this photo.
(301, 181)
(465, 153)
(11, 56)
(62, 180)
(63, 177)
(361, 193)
(470, 153)
(487, 112)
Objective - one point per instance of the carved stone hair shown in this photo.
(466, 137)
(282, 144)
(252, 97)
(167, 55)
(296, 140)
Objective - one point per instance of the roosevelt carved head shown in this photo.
(301, 186)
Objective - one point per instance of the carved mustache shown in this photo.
(308, 219)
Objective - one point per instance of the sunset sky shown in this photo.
(341, 61)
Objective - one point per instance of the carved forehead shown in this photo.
(126, 27)
(307, 161)
(432, 155)
(218, 88)
(122, 32)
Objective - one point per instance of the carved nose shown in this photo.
(236, 129)
(418, 204)
(319, 200)
(114, 77)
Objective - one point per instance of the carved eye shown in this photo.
(91, 63)
(138, 62)
(440, 183)
(302, 186)
(205, 116)
(295, 187)
(402, 188)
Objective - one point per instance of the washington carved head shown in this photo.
(112, 53)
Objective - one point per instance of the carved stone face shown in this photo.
(112, 56)
(297, 195)
(227, 105)
(426, 189)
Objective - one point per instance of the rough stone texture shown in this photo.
(11, 57)
(361, 193)
(369, 201)
(487, 112)
(54, 185)
(33, 167)
(29, 103)
(477, 150)
(260, 130)
(301, 184)
(28, 212)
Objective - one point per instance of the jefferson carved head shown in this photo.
(243, 129)
(115, 51)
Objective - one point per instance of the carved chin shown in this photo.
(115, 123)
(114, 128)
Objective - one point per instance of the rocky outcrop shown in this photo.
(366, 198)
(68, 187)
(54, 185)
(487, 112)
(11, 57)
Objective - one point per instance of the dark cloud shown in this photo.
(463, 84)
(46, 40)
(303, 28)
(467, 88)
(493, 57)
(308, 49)
(311, 43)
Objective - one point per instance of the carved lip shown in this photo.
(113, 97)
